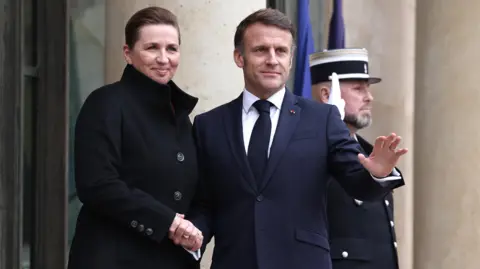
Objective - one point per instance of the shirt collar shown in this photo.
(276, 99)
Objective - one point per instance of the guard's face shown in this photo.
(358, 103)
(156, 52)
(266, 58)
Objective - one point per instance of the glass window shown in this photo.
(86, 70)
(29, 32)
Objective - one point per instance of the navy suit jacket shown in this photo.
(281, 223)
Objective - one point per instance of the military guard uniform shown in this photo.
(361, 234)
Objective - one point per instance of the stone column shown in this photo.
(387, 30)
(207, 69)
(447, 214)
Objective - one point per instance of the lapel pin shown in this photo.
(358, 202)
(292, 111)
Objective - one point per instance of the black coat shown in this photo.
(135, 167)
(361, 233)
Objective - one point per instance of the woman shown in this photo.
(135, 159)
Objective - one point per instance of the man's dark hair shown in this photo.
(267, 16)
(148, 16)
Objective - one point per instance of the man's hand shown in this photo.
(384, 156)
(183, 232)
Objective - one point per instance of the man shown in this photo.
(361, 234)
(266, 156)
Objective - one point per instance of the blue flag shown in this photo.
(336, 34)
(305, 47)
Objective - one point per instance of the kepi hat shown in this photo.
(348, 63)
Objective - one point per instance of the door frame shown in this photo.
(50, 195)
(10, 134)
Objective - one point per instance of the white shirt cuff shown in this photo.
(395, 176)
(196, 254)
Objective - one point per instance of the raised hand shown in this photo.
(183, 232)
(335, 97)
(384, 156)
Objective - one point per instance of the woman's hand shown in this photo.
(183, 232)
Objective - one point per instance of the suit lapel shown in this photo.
(289, 116)
(365, 146)
(232, 122)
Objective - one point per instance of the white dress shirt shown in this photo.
(250, 115)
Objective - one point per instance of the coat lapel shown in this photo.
(366, 147)
(232, 122)
(289, 116)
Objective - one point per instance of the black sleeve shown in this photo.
(201, 212)
(98, 158)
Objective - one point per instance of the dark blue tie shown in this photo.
(259, 141)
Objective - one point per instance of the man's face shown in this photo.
(358, 103)
(266, 58)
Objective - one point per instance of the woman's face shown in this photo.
(156, 52)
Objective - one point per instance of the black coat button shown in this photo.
(180, 157)
(177, 196)
(260, 198)
(149, 231)
(140, 228)
(134, 224)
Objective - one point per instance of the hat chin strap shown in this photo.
(355, 75)
(335, 97)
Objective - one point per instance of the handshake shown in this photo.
(183, 232)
